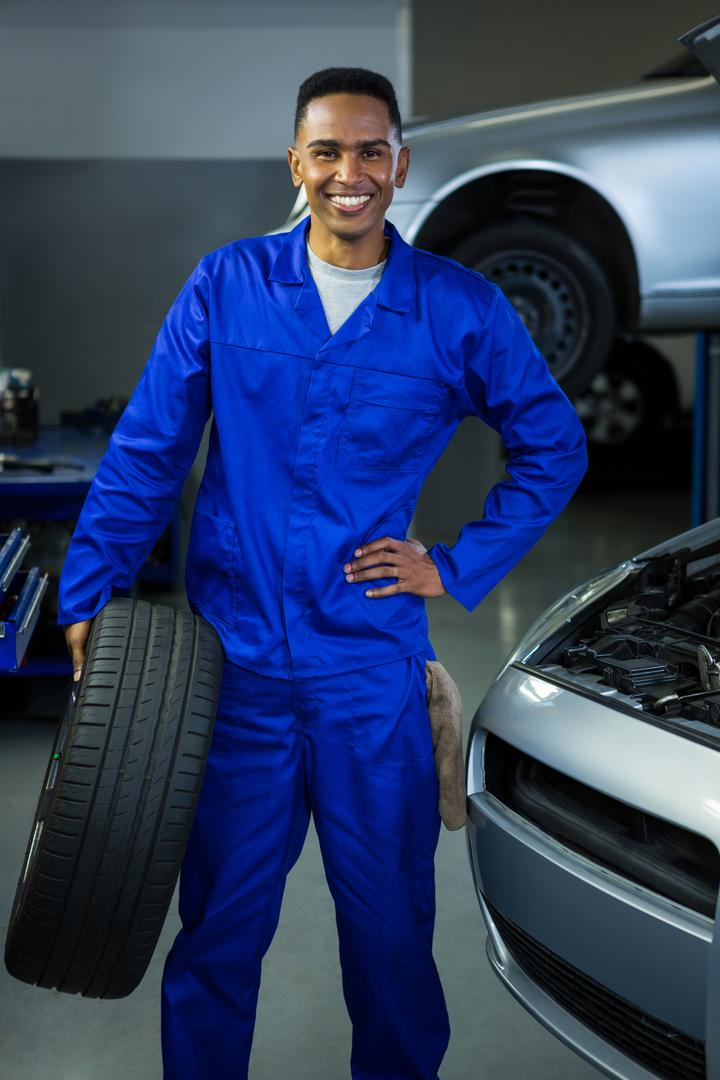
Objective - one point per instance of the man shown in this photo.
(338, 362)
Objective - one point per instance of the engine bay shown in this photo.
(655, 642)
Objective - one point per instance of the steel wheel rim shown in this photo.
(548, 298)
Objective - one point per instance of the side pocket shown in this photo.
(390, 725)
(211, 571)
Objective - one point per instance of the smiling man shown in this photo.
(337, 362)
(350, 172)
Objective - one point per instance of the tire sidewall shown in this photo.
(597, 335)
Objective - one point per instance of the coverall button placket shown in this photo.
(297, 587)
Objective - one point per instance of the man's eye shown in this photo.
(373, 152)
(324, 152)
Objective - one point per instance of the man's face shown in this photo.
(349, 158)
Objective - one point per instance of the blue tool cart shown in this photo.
(42, 491)
(21, 592)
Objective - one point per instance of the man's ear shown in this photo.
(402, 166)
(295, 167)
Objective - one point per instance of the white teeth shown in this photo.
(349, 200)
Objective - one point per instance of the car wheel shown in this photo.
(637, 435)
(119, 796)
(626, 405)
(559, 290)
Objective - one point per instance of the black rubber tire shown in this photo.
(559, 289)
(630, 405)
(632, 419)
(119, 796)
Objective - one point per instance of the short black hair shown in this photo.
(348, 80)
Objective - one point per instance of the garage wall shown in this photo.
(95, 251)
(142, 135)
(178, 78)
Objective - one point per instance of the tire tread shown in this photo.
(129, 777)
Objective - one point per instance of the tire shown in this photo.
(631, 415)
(559, 290)
(630, 405)
(119, 796)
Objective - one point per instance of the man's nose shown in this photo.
(349, 171)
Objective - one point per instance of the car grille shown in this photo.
(659, 1047)
(666, 858)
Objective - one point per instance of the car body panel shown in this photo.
(696, 537)
(604, 748)
(552, 1016)
(641, 947)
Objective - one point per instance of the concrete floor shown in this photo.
(302, 1028)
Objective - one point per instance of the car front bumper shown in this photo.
(625, 976)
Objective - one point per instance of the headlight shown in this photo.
(566, 608)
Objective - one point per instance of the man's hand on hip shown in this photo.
(403, 559)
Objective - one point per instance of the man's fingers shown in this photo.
(78, 659)
(374, 572)
(76, 636)
(382, 543)
(405, 560)
(386, 552)
(386, 590)
(387, 557)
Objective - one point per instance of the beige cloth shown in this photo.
(445, 712)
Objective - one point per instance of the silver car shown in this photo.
(594, 814)
(593, 783)
(597, 215)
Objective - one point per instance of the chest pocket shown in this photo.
(388, 422)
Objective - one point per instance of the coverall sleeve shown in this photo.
(510, 387)
(150, 452)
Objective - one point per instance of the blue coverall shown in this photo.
(319, 442)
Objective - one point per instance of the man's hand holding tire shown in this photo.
(76, 635)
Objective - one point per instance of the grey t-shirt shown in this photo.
(341, 290)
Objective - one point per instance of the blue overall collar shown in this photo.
(397, 287)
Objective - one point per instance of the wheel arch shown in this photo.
(536, 191)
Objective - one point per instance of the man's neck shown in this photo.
(349, 254)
